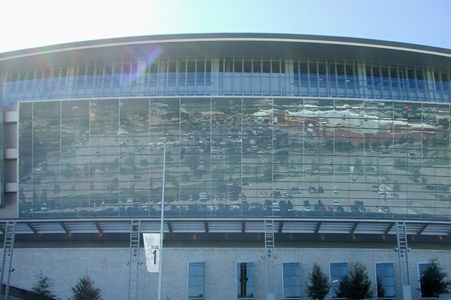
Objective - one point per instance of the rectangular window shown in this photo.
(257, 65)
(266, 65)
(385, 280)
(196, 280)
(421, 269)
(244, 282)
(291, 281)
(247, 65)
(238, 65)
(338, 270)
(275, 65)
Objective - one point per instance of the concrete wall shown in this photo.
(108, 268)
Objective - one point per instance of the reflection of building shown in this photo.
(334, 139)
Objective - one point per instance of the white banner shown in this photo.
(152, 249)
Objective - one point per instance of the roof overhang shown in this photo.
(228, 45)
(233, 229)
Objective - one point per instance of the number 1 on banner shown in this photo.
(152, 249)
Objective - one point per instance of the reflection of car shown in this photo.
(307, 206)
(276, 193)
(339, 208)
(320, 189)
(335, 190)
(354, 209)
(236, 206)
(312, 190)
(386, 209)
(256, 206)
(275, 206)
(295, 190)
(288, 195)
(25, 179)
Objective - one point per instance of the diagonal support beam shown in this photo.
(390, 226)
(32, 228)
(99, 228)
(318, 226)
(169, 226)
(63, 225)
(280, 226)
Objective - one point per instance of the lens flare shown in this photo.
(153, 55)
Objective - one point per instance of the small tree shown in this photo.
(357, 285)
(85, 290)
(432, 281)
(43, 287)
(318, 285)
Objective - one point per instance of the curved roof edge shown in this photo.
(215, 36)
(276, 45)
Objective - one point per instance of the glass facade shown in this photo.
(230, 76)
(291, 280)
(385, 280)
(234, 156)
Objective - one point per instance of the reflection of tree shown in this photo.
(380, 288)
(192, 161)
(281, 157)
(21, 194)
(358, 166)
(314, 167)
(396, 186)
(185, 177)
(113, 185)
(401, 164)
(35, 196)
(387, 144)
(56, 189)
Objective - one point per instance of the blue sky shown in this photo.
(31, 23)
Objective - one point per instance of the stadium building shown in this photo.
(267, 152)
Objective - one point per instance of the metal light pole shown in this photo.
(164, 142)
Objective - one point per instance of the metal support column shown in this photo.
(8, 247)
(269, 257)
(403, 257)
(135, 239)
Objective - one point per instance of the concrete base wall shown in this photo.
(108, 267)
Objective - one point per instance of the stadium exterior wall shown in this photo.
(336, 140)
(107, 266)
